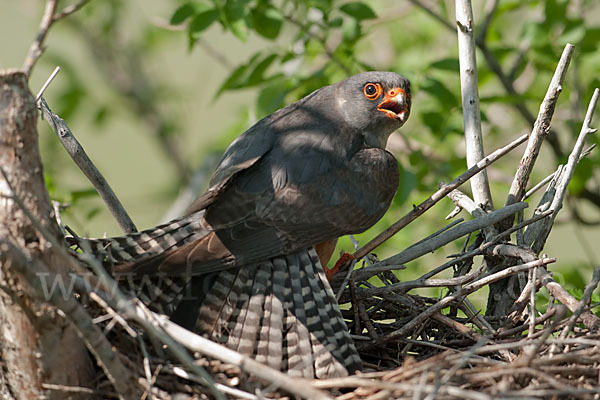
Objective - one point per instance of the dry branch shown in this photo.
(540, 128)
(79, 156)
(440, 240)
(470, 288)
(437, 196)
(32, 270)
(470, 102)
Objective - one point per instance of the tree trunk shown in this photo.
(37, 346)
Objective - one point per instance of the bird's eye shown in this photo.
(372, 90)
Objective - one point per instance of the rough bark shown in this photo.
(37, 345)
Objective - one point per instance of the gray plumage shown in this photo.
(310, 172)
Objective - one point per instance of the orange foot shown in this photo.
(344, 258)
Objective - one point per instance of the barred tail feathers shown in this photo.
(284, 314)
(150, 242)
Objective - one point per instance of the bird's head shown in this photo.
(374, 103)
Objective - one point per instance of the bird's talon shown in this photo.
(344, 258)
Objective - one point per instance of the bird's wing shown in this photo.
(262, 215)
(245, 151)
(242, 154)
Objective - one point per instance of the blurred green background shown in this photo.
(155, 91)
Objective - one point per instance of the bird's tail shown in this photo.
(151, 242)
(282, 313)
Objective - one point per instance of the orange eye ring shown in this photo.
(372, 90)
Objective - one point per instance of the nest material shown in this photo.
(446, 356)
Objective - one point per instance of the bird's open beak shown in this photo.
(396, 104)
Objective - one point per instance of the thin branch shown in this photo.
(48, 82)
(322, 42)
(36, 49)
(37, 274)
(540, 128)
(567, 173)
(78, 154)
(470, 102)
(442, 239)
(583, 303)
(48, 19)
(435, 197)
(122, 67)
(464, 202)
(467, 289)
(562, 295)
(361, 275)
(211, 349)
(68, 10)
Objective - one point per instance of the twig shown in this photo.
(531, 352)
(435, 197)
(440, 240)
(562, 295)
(539, 186)
(96, 342)
(68, 10)
(211, 349)
(78, 154)
(585, 300)
(470, 102)
(36, 48)
(457, 326)
(338, 295)
(467, 289)
(433, 14)
(465, 203)
(540, 128)
(180, 372)
(147, 370)
(452, 371)
(48, 81)
(463, 257)
(48, 19)
(567, 173)
(533, 276)
(77, 389)
(112, 314)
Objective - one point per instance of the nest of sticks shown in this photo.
(412, 346)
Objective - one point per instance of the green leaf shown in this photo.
(434, 121)
(239, 76)
(267, 21)
(336, 22)
(201, 22)
(440, 92)
(256, 76)
(239, 29)
(358, 11)
(446, 64)
(271, 98)
(235, 18)
(233, 80)
(184, 12)
(77, 195)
